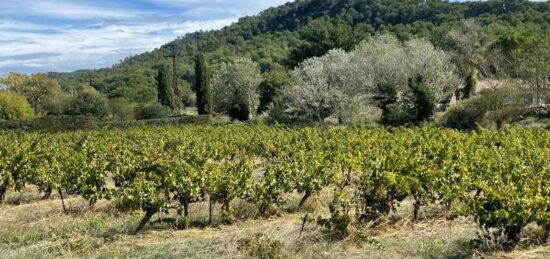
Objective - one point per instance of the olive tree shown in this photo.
(327, 86)
(532, 61)
(236, 88)
(470, 46)
(381, 74)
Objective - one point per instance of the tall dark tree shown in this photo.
(425, 102)
(470, 83)
(165, 91)
(386, 96)
(202, 86)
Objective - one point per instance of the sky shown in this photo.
(67, 35)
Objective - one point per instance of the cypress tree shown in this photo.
(202, 86)
(165, 90)
(471, 83)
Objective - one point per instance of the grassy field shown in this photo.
(34, 228)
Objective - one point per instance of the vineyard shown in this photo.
(499, 179)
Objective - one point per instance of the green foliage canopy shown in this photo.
(14, 106)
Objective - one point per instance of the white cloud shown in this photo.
(65, 35)
(67, 9)
(74, 48)
(19, 25)
(74, 11)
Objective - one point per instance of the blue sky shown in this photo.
(66, 35)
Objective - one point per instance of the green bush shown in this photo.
(278, 116)
(534, 122)
(261, 246)
(55, 105)
(465, 115)
(88, 102)
(122, 109)
(397, 114)
(271, 90)
(492, 108)
(340, 215)
(187, 96)
(14, 106)
(154, 111)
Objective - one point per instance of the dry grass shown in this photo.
(38, 229)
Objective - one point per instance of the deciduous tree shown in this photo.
(43, 94)
(14, 106)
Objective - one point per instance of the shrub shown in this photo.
(271, 90)
(358, 113)
(491, 107)
(154, 111)
(14, 106)
(260, 246)
(464, 115)
(420, 108)
(187, 96)
(122, 109)
(341, 217)
(397, 114)
(56, 105)
(88, 102)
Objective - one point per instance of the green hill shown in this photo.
(280, 37)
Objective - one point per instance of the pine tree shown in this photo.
(202, 86)
(165, 91)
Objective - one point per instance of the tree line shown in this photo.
(255, 67)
